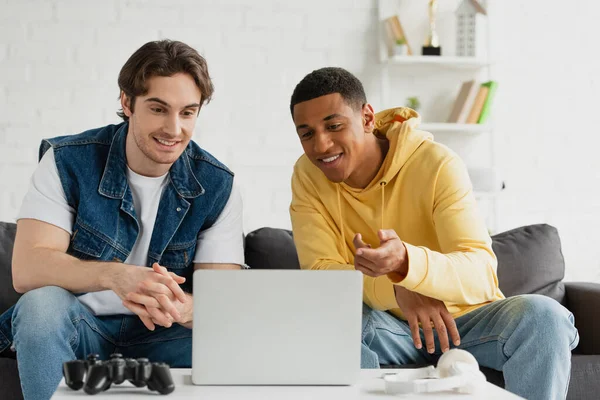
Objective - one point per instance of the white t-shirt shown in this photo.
(221, 243)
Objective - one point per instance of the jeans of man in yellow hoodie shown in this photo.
(424, 193)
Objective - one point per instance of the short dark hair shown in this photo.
(326, 81)
(163, 58)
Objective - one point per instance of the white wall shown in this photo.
(548, 111)
(59, 62)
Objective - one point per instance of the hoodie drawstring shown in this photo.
(382, 185)
(339, 203)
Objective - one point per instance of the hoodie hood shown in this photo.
(399, 126)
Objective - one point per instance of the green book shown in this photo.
(487, 106)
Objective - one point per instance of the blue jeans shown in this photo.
(50, 326)
(529, 338)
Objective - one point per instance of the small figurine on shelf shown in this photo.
(413, 102)
(432, 44)
(401, 48)
(470, 16)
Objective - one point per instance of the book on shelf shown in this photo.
(464, 102)
(390, 40)
(487, 105)
(394, 32)
(477, 105)
(473, 102)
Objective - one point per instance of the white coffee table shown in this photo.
(370, 387)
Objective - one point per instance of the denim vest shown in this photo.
(93, 172)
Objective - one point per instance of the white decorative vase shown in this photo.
(401, 50)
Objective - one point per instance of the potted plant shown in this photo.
(413, 102)
(401, 48)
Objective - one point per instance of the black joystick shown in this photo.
(96, 376)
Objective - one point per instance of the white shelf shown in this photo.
(441, 127)
(439, 75)
(441, 61)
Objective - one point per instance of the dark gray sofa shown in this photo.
(529, 261)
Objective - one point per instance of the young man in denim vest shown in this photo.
(114, 224)
(375, 194)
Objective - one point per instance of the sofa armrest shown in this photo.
(583, 300)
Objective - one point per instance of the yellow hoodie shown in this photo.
(424, 193)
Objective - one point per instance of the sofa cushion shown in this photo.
(530, 260)
(8, 296)
(271, 248)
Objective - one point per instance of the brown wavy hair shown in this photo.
(163, 58)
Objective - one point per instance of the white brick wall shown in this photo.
(547, 116)
(59, 62)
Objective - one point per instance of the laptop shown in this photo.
(276, 327)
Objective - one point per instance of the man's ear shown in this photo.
(126, 105)
(368, 118)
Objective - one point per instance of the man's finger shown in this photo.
(440, 327)
(381, 264)
(386, 235)
(428, 333)
(155, 288)
(164, 285)
(176, 289)
(366, 271)
(451, 326)
(366, 262)
(363, 269)
(141, 312)
(138, 309)
(158, 268)
(158, 301)
(160, 317)
(358, 242)
(177, 278)
(374, 255)
(413, 323)
(143, 299)
(367, 266)
(165, 272)
(157, 315)
(167, 305)
(148, 323)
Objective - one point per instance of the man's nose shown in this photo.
(322, 143)
(172, 125)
